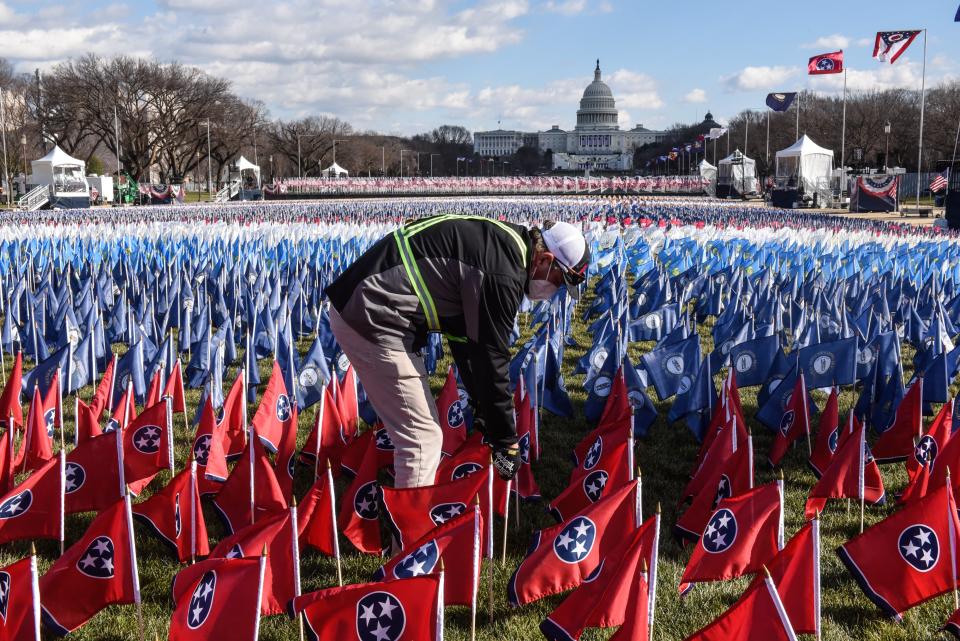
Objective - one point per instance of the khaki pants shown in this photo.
(396, 383)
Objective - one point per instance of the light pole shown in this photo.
(209, 167)
(886, 152)
(383, 161)
(401, 160)
(418, 162)
(23, 154)
(431, 164)
(271, 168)
(6, 167)
(503, 167)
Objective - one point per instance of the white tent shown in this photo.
(65, 174)
(737, 173)
(806, 165)
(245, 165)
(335, 171)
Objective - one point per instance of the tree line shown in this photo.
(162, 121)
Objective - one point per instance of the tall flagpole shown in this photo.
(6, 167)
(768, 140)
(843, 135)
(797, 135)
(923, 88)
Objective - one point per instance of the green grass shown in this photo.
(665, 457)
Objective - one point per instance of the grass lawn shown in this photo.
(665, 458)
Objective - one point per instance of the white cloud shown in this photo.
(754, 78)
(903, 75)
(834, 41)
(634, 90)
(575, 7)
(696, 95)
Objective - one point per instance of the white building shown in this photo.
(597, 142)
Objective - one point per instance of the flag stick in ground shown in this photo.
(318, 426)
(186, 423)
(476, 570)
(295, 551)
(263, 566)
(333, 521)
(133, 565)
(490, 533)
(506, 522)
(953, 551)
(35, 588)
(193, 512)
(860, 488)
(63, 490)
(169, 407)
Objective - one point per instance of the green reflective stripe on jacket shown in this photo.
(416, 227)
(416, 281)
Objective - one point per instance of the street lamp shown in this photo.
(886, 153)
(23, 154)
(401, 160)
(431, 164)
(271, 168)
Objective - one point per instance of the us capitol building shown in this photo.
(597, 142)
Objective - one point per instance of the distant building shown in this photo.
(597, 142)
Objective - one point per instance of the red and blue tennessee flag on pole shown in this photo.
(826, 63)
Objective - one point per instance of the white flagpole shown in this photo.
(133, 564)
(319, 429)
(35, 589)
(168, 402)
(263, 567)
(63, 493)
(860, 480)
(506, 519)
(333, 521)
(816, 574)
(253, 501)
(953, 542)
(923, 95)
(843, 135)
(295, 552)
(193, 511)
(797, 133)
(652, 586)
(476, 567)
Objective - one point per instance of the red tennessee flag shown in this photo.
(98, 570)
(252, 485)
(208, 452)
(457, 542)
(275, 412)
(360, 506)
(412, 512)
(758, 615)
(636, 625)
(828, 435)
(93, 474)
(175, 515)
(402, 608)
(285, 462)
(607, 464)
(352, 455)
(794, 424)
(604, 601)
(909, 557)
(565, 555)
(32, 510)
(101, 398)
(933, 442)
(217, 599)
(233, 423)
(123, 413)
(953, 624)
(450, 411)
(7, 455)
(796, 573)
(729, 438)
(347, 404)
(525, 484)
(744, 533)
(332, 439)
(10, 399)
(281, 581)
(19, 604)
(37, 446)
(88, 425)
(473, 457)
(897, 442)
(174, 388)
(317, 516)
(825, 63)
(153, 390)
(147, 444)
(851, 474)
(734, 476)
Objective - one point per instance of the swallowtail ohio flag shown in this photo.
(890, 45)
(826, 63)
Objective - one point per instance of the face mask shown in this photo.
(541, 290)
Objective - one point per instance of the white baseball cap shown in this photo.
(569, 248)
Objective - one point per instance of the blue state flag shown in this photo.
(827, 364)
(313, 376)
(555, 398)
(780, 101)
(672, 368)
(751, 360)
(42, 374)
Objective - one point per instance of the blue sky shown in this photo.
(405, 66)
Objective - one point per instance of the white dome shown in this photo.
(598, 109)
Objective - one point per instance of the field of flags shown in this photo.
(742, 430)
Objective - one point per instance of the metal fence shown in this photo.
(907, 191)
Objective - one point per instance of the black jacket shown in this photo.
(476, 273)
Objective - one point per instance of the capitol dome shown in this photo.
(598, 109)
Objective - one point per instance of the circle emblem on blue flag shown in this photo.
(419, 562)
(684, 385)
(365, 501)
(201, 603)
(822, 363)
(97, 560)
(674, 365)
(343, 362)
(146, 439)
(443, 512)
(593, 454)
(575, 541)
(16, 505)
(652, 321)
(75, 476)
(865, 356)
(593, 484)
(919, 547)
(308, 377)
(599, 357)
(380, 617)
(720, 533)
(744, 362)
(602, 385)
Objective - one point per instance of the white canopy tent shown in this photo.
(335, 171)
(805, 165)
(245, 165)
(737, 173)
(65, 175)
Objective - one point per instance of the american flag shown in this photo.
(940, 180)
